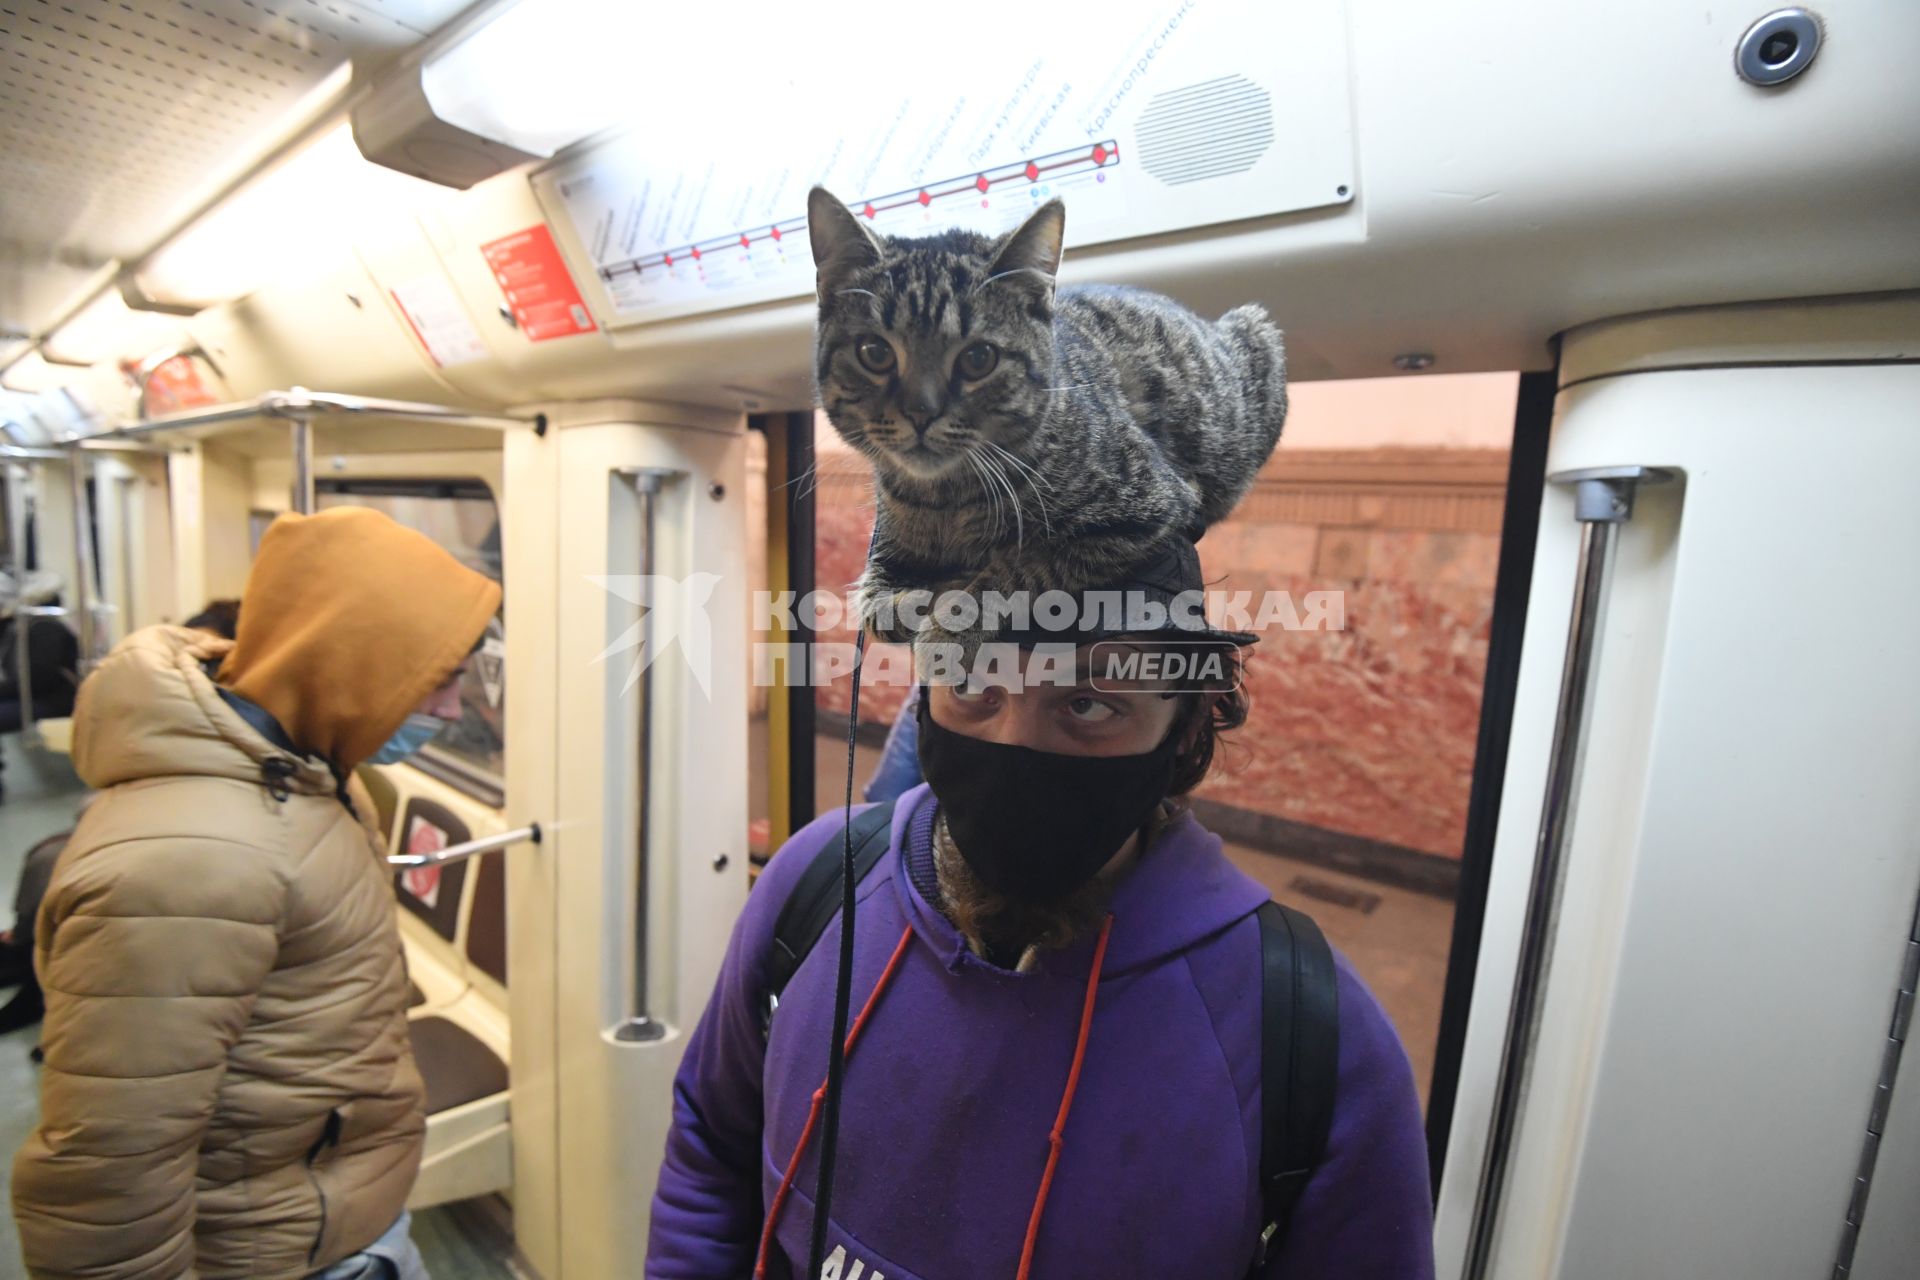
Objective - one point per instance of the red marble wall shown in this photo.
(1369, 730)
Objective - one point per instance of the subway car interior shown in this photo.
(1596, 756)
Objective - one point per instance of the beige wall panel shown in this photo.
(328, 327)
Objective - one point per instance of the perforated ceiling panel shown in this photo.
(114, 113)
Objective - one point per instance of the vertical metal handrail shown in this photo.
(300, 429)
(18, 478)
(1603, 500)
(1906, 990)
(77, 468)
(639, 1024)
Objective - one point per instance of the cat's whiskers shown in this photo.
(1034, 482)
(999, 477)
(993, 497)
(993, 494)
(811, 473)
(1018, 461)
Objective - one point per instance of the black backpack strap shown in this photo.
(1299, 1063)
(816, 896)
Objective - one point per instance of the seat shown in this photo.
(487, 917)
(453, 918)
(456, 1066)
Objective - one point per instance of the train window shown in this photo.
(462, 516)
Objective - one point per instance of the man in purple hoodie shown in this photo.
(1058, 1070)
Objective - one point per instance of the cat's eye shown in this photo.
(977, 361)
(874, 354)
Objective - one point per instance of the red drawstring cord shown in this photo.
(1056, 1139)
(820, 1097)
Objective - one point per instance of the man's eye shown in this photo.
(1089, 710)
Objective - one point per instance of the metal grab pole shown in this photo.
(83, 559)
(639, 1025)
(1603, 500)
(17, 482)
(467, 849)
(302, 432)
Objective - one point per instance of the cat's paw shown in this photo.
(945, 655)
(881, 611)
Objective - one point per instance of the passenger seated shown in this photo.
(53, 659)
(1061, 1067)
(228, 1086)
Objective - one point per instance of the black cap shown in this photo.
(1163, 598)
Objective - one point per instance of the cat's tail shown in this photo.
(1257, 353)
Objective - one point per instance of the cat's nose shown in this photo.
(923, 404)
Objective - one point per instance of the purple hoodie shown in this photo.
(954, 1083)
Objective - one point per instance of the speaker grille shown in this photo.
(1206, 130)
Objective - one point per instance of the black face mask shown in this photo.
(1036, 825)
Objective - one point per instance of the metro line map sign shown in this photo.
(1145, 115)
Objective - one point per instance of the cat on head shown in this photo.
(1025, 436)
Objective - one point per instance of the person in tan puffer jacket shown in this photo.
(229, 1089)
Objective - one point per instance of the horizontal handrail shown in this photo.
(467, 849)
(300, 405)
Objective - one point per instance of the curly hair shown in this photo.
(1204, 716)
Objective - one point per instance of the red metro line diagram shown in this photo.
(1099, 157)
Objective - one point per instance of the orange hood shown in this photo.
(347, 622)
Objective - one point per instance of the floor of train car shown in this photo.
(460, 1242)
(1396, 939)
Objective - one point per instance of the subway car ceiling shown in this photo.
(1572, 164)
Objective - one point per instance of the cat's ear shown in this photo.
(1035, 245)
(841, 244)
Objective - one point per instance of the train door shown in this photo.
(1696, 967)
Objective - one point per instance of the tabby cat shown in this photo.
(1024, 438)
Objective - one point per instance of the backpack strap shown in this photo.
(1299, 1063)
(816, 897)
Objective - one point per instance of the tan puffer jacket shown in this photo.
(229, 1089)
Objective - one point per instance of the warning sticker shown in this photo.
(491, 663)
(439, 321)
(423, 883)
(174, 386)
(527, 267)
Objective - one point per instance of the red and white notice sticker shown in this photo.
(530, 272)
(423, 882)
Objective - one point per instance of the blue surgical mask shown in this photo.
(415, 732)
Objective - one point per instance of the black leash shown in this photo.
(843, 983)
